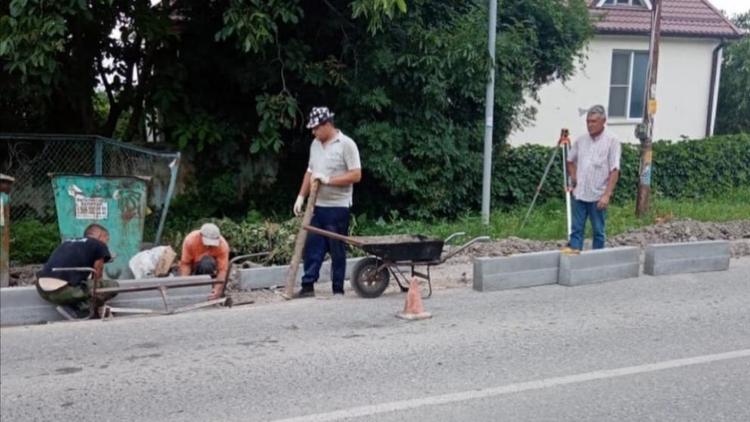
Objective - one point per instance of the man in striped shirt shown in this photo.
(594, 168)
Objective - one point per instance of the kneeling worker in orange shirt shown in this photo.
(206, 252)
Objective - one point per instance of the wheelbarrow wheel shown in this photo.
(367, 281)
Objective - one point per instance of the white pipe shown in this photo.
(567, 192)
(489, 105)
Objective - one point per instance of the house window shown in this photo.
(622, 3)
(627, 84)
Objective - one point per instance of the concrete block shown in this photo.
(692, 257)
(515, 271)
(23, 306)
(599, 265)
(266, 277)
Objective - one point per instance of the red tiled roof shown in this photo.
(690, 18)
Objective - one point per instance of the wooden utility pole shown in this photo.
(645, 131)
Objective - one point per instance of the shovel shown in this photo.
(299, 245)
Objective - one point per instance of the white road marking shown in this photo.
(401, 405)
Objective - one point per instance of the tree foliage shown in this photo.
(733, 111)
(56, 54)
(417, 97)
(230, 81)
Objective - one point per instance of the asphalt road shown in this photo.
(648, 349)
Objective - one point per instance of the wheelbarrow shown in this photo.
(390, 254)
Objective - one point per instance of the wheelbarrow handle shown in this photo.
(449, 238)
(460, 249)
(86, 269)
(233, 271)
(332, 235)
(244, 257)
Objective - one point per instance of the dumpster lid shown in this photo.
(113, 176)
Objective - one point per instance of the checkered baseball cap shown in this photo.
(318, 116)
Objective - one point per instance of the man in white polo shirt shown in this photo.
(594, 168)
(334, 162)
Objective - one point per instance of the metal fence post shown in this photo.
(489, 107)
(5, 184)
(174, 166)
(98, 152)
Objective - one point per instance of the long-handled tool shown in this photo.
(564, 144)
(539, 186)
(299, 245)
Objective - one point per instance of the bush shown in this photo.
(32, 242)
(695, 169)
(686, 169)
(250, 236)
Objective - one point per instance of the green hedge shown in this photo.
(685, 169)
(693, 169)
(31, 242)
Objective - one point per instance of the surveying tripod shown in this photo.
(563, 144)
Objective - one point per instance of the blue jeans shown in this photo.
(581, 211)
(333, 219)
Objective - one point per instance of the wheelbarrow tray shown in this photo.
(402, 248)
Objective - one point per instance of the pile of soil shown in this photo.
(738, 232)
(689, 231)
(24, 275)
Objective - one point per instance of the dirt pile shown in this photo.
(23, 275)
(675, 231)
(687, 231)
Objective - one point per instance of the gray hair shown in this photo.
(597, 109)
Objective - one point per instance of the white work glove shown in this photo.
(322, 177)
(298, 205)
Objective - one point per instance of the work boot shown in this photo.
(307, 290)
(570, 251)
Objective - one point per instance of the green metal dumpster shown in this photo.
(116, 202)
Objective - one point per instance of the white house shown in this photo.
(693, 34)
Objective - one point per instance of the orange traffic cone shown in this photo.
(413, 308)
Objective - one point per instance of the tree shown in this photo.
(56, 54)
(733, 111)
(416, 94)
(230, 82)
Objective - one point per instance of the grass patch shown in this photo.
(32, 241)
(547, 221)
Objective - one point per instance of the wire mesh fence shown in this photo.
(31, 159)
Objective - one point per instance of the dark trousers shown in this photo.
(334, 219)
(581, 212)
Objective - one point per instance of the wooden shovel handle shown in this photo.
(299, 245)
